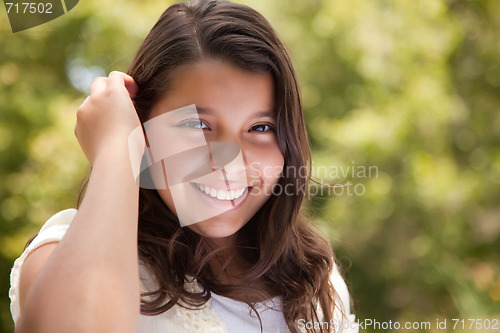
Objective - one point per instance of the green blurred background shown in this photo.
(409, 88)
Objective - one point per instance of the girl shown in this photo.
(218, 250)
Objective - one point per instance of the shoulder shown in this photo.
(52, 231)
(341, 289)
(342, 312)
(62, 218)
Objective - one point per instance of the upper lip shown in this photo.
(223, 186)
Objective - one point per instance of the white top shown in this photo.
(218, 315)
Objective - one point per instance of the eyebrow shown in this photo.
(258, 114)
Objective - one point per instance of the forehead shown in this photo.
(217, 85)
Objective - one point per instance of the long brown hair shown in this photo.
(283, 247)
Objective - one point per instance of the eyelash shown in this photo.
(191, 121)
(200, 122)
(271, 127)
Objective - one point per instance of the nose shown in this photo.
(227, 154)
(228, 133)
(222, 153)
(229, 157)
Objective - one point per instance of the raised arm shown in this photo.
(89, 282)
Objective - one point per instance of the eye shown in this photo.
(262, 128)
(194, 124)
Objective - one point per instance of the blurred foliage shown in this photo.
(408, 90)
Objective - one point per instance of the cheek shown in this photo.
(277, 167)
(158, 177)
(267, 165)
(166, 196)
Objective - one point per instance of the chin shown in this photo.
(216, 227)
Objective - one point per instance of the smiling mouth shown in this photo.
(220, 194)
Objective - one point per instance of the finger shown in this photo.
(98, 84)
(131, 85)
(86, 99)
(119, 79)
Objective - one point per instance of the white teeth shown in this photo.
(220, 194)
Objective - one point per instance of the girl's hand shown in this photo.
(107, 117)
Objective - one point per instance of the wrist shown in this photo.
(114, 157)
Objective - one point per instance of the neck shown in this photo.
(227, 264)
(228, 243)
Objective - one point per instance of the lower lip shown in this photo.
(222, 204)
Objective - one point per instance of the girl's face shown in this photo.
(232, 106)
